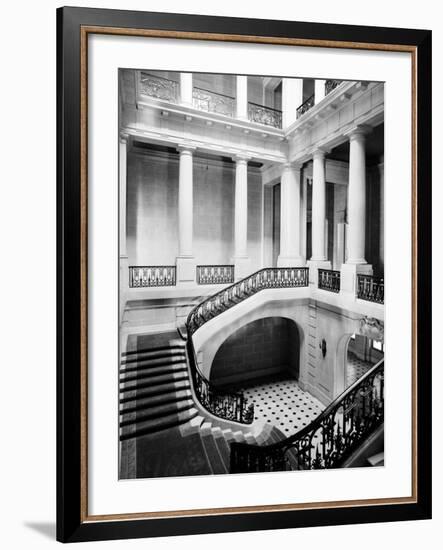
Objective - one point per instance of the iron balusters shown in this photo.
(215, 274)
(329, 279)
(304, 107)
(213, 102)
(159, 87)
(272, 277)
(331, 85)
(329, 439)
(371, 289)
(148, 276)
(264, 115)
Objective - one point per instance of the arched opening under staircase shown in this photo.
(262, 360)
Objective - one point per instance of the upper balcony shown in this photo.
(211, 100)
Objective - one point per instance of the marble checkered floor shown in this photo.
(283, 404)
(356, 368)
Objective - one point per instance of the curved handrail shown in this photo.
(362, 407)
(269, 277)
(233, 406)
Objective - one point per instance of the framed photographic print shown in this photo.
(234, 195)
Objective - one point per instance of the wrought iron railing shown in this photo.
(331, 85)
(264, 115)
(329, 279)
(233, 406)
(329, 439)
(215, 274)
(304, 107)
(148, 276)
(229, 406)
(270, 277)
(371, 289)
(159, 87)
(213, 102)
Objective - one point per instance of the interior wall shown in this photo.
(259, 349)
(152, 211)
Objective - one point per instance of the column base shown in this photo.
(314, 266)
(242, 267)
(290, 261)
(348, 277)
(186, 270)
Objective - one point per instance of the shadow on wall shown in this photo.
(261, 349)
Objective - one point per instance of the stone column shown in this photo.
(318, 259)
(290, 255)
(356, 234)
(242, 97)
(381, 168)
(319, 90)
(240, 259)
(292, 98)
(186, 89)
(123, 255)
(185, 259)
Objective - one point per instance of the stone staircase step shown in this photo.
(155, 412)
(142, 373)
(165, 398)
(162, 355)
(160, 389)
(377, 459)
(156, 425)
(150, 382)
(223, 446)
(176, 346)
(212, 452)
(152, 363)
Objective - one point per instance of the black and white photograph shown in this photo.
(251, 274)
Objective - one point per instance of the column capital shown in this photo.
(186, 148)
(320, 152)
(123, 137)
(296, 166)
(359, 132)
(241, 158)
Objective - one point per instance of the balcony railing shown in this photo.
(329, 440)
(149, 276)
(331, 85)
(233, 406)
(271, 277)
(264, 115)
(213, 102)
(304, 107)
(329, 280)
(371, 288)
(159, 87)
(215, 274)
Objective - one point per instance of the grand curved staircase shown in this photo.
(174, 422)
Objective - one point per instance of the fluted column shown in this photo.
(357, 197)
(318, 206)
(319, 90)
(186, 89)
(242, 97)
(290, 217)
(185, 259)
(241, 259)
(292, 98)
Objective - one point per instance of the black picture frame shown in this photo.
(72, 523)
